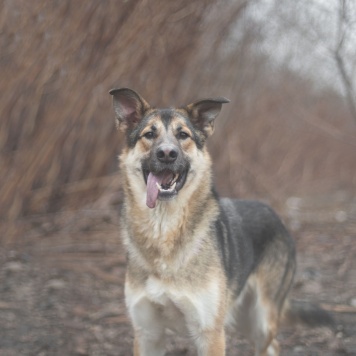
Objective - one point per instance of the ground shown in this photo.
(61, 290)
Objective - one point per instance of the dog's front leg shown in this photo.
(211, 343)
(148, 345)
(149, 329)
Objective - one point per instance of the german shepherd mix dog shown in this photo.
(197, 264)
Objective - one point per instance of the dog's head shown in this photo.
(165, 146)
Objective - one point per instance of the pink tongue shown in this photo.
(152, 189)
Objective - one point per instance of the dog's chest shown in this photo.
(169, 304)
(180, 305)
(158, 292)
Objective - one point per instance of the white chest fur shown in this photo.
(168, 306)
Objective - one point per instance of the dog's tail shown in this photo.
(304, 313)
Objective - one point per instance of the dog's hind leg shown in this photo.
(272, 280)
(261, 302)
(257, 318)
(265, 328)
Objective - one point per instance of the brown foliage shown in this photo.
(58, 60)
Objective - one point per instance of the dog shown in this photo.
(196, 264)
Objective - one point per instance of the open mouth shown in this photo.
(163, 185)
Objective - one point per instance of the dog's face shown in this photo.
(165, 147)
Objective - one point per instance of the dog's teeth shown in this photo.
(169, 190)
(175, 178)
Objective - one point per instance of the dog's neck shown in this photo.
(157, 234)
(169, 220)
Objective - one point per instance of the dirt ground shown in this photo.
(61, 290)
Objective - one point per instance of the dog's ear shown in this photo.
(129, 108)
(202, 113)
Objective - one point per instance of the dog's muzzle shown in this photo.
(163, 185)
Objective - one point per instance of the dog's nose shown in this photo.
(167, 153)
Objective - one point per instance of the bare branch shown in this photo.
(340, 62)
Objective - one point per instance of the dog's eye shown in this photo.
(182, 135)
(149, 135)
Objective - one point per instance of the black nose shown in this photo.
(167, 153)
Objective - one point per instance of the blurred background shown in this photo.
(287, 137)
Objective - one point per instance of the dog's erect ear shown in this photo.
(202, 113)
(129, 107)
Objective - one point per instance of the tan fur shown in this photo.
(169, 259)
(175, 279)
(136, 351)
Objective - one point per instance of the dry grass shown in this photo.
(57, 138)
